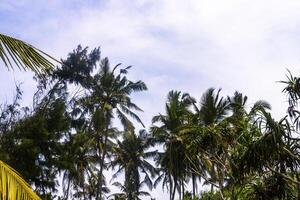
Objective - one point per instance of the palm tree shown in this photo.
(109, 97)
(124, 195)
(131, 156)
(78, 162)
(212, 108)
(237, 106)
(24, 56)
(223, 128)
(243, 122)
(210, 113)
(168, 133)
(292, 90)
(274, 153)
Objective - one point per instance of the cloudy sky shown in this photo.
(190, 45)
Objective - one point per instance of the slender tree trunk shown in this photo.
(68, 190)
(83, 191)
(82, 181)
(212, 172)
(102, 158)
(193, 180)
(99, 160)
(174, 190)
(179, 192)
(43, 188)
(182, 189)
(171, 187)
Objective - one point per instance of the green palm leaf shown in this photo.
(15, 52)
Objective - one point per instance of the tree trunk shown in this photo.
(193, 180)
(171, 187)
(213, 173)
(179, 192)
(174, 190)
(182, 189)
(82, 181)
(102, 157)
(68, 190)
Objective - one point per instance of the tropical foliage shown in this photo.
(24, 56)
(130, 156)
(80, 137)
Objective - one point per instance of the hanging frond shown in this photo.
(12, 186)
(15, 52)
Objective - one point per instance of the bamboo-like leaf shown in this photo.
(12, 186)
(15, 52)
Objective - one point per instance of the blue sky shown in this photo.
(191, 45)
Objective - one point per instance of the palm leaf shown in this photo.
(12, 186)
(23, 55)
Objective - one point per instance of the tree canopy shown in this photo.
(82, 125)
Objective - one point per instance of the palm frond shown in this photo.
(127, 124)
(132, 115)
(25, 56)
(12, 186)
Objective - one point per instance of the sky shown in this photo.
(191, 45)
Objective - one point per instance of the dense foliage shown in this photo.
(82, 125)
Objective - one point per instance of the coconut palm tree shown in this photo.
(209, 116)
(130, 156)
(78, 163)
(125, 195)
(224, 128)
(168, 133)
(109, 98)
(212, 108)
